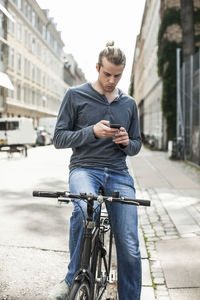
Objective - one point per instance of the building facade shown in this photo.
(34, 61)
(147, 83)
(155, 53)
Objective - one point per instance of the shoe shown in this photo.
(60, 291)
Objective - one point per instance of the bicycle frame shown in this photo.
(93, 245)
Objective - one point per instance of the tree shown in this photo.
(187, 23)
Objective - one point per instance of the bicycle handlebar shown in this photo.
(65, 196)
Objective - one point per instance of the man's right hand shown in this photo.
(102, 129)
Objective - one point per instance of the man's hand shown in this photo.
(121, 137)
(102, 129)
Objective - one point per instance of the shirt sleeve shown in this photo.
(135, 141)
(65, 136)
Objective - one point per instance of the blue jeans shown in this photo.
(124, 222)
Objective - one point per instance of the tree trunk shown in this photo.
(187, 20)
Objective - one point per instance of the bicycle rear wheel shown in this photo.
(80, 291)
(98, 278)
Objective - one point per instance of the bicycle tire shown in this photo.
(80, 291)
(98, 284)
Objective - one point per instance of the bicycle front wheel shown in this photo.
(80, 291)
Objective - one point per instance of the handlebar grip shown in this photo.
(45, 194)
(139, 201)
(143, 202)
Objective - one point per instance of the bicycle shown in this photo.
(91, 279)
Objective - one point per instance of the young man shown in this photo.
(99, 160)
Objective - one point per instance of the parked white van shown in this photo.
(17, 131)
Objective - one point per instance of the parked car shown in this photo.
(43, 137)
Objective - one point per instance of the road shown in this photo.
(33, 231)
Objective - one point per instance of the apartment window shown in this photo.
(44, 32)
(25, 66)
(27, 37)
(19, 4)
(38, 49)
(19, 91)
(19, 32)
(25, 93)
(29, 13)
(10, 93)
(11, 26)
(39, 25)
(19, 62)
(43, 54)
(1, 52)
(33, 18)
(28, 68)
(29, 41)
(38, 75)
(28, 94)
(33, 72)
(38, 98)
(11, 57)
(33, 45)
(26, 9)
(1, 20)
(33, 97)
(43, 80)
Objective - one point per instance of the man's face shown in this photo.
(109, 75)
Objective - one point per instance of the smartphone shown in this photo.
(115, 126)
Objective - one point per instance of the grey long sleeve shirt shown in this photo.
(83, 107)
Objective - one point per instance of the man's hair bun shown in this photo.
(112, 54)
(110, 44)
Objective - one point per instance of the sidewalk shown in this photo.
(170, 228)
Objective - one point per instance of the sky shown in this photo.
(87, 25)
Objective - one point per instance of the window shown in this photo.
(1, 52)
(19, 62)
(11, 26)
(26, 38)
(38, 75)
(1, 20)
(26, 9)
(33, 97)
(10, 93)
(11, 58)
(33, 18)
(18, 91)
(44, 32)
(38, 50)
(29, 13)
(19, 32)
(9, 125)
(19, 4)
(33, 45)
(33, 72)
(28, 68)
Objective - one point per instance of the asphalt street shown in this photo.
(34, 231)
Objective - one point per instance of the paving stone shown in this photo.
(180, 262)
(147, 293)
(184, 294)
(146, 274)
(158, 280)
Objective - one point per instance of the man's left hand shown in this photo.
(121, 137)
